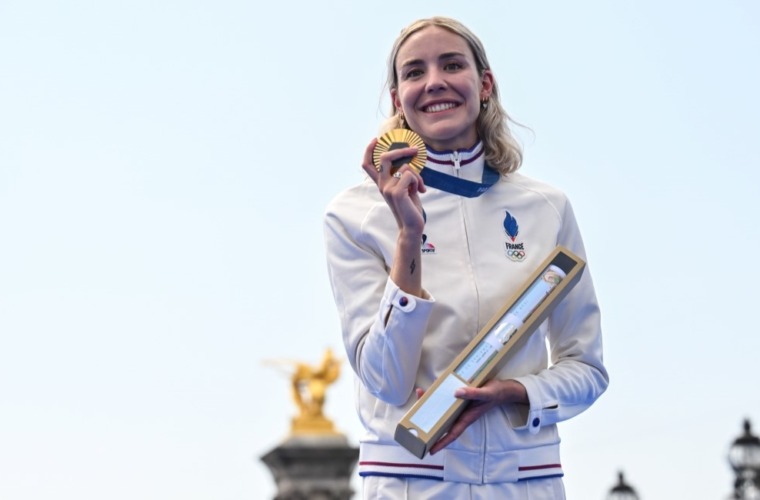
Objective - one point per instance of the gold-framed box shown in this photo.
(434, 413)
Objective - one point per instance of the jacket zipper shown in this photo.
(456, 159)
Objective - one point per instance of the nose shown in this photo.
(436, 80)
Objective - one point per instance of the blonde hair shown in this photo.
(502, 152)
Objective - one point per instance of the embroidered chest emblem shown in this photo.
(514, 250)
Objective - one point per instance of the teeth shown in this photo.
(440, 107)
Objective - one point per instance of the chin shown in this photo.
(451, 134)
(443, 141)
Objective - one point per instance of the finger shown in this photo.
(418, 182)
(453, 433)
(401, 188)
(492, 391)
(389, 158)
(460, 425)
(442, 443)
(403, 177)
(419, 392)
(471, 394)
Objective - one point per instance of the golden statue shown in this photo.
(308, 385)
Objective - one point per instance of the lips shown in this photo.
(441, 106)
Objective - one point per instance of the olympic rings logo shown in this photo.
(517, 255)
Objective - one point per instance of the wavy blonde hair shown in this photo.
(502, 152)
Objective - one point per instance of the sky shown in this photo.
(164, 169)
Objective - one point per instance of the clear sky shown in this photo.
(164, 167)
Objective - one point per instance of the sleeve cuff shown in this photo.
(393, 296)
(530, 417)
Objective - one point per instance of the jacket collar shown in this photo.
(462, 163)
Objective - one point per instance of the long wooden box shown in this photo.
(434, 413)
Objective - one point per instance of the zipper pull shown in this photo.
(455, 158)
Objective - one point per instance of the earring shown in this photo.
(401, 120)
(484, 104)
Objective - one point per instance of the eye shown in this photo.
(452, 66)
(412, 73)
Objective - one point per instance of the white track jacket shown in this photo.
(475, 253)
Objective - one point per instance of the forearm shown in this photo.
(383, 325)
(406, 270)
(388, 355)
(558, 394)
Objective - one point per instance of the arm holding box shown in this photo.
(577, 376)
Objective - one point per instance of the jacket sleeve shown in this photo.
(577, 376)
(382, 326)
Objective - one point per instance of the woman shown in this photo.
(419, 262)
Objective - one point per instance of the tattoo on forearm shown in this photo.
(412, 267)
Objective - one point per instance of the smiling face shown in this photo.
(439, 88)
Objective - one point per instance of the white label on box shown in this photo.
(437, 404)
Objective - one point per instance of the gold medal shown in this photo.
(400, 138)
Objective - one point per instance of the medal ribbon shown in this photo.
(462, 187)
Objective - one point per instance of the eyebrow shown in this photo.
(445, 55)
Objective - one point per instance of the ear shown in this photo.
(486, 85)
(395, 99)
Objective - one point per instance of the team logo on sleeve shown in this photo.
(426, 247)
(515, 250)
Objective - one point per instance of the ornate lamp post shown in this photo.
(622, 491)
(744, 457)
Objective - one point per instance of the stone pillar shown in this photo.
(315, 462)
(312, 467)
